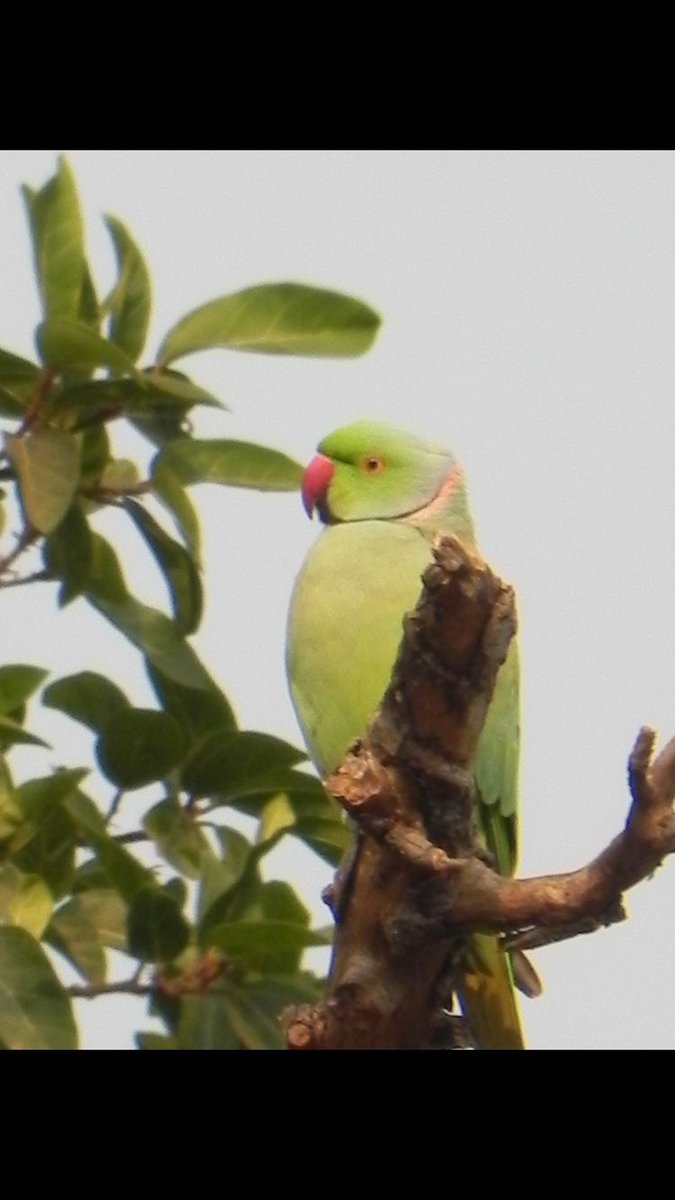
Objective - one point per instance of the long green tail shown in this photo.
(488, 997)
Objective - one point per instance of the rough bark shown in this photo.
(418, 883)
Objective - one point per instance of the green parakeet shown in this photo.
(383, 497)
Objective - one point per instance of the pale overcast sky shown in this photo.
(528, 301)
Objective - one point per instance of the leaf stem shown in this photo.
(112, 811)
(43, 387)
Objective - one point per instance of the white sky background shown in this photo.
(529, 319)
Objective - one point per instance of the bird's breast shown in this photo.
(345, 626)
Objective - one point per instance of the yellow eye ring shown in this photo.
(373, 464)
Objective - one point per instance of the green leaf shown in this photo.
(267, 903)
(177, 566)
(95, 454)
(236, 464)
(66, 344)
(38, 798)
(157, 636)
(47, 465)
(171, 493)
(177, 888)
(18, 374)
(18, 682)
(35, 1010)
(25, 900)
(254, 1028)
(197, 710)
(89, 311)
(32, 905)
(11, 405)
(275, 992)
(229, 764)
(154, 633)
(10, 813)
(86, 697)
(130, 301)
(155, 1041)
(144, 395)
(90, 875)
(138, 746)
(12, 733)
(68, 554)
(10, 879)
(251, 1023)
(276, 817)
(157, 930)
(295, 785)
(47, 836)
(179, 388)
(305, 811)
(122, 870)
(105, 910)
(72, 932)
(280, 903)
(308, 798)
(205, 1024)
(276, 318)
(328, 838)
(178, 837)
(264, 946)
(119, 475)
(221, 877)
(58, 238)
(251, 795)
(164, 424)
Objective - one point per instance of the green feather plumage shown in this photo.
(357, 583)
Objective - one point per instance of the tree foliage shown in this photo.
(216, 949)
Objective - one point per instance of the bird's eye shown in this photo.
(373, 465)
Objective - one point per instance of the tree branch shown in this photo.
(196, 978)
(125, 987)
(23, 540)
(44, 576)
(418, 882)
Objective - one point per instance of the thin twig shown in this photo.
(126, 987)
(115, 803)
(24, 540)
(128, 839)
(43, 387)
(36, 577)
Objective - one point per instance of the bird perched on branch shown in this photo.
(383, 497)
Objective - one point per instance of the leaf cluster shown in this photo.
(215, 947)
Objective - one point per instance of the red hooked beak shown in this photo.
(315, 482)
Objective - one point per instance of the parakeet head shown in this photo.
(369, 471)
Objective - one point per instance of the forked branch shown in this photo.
(418, 882)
